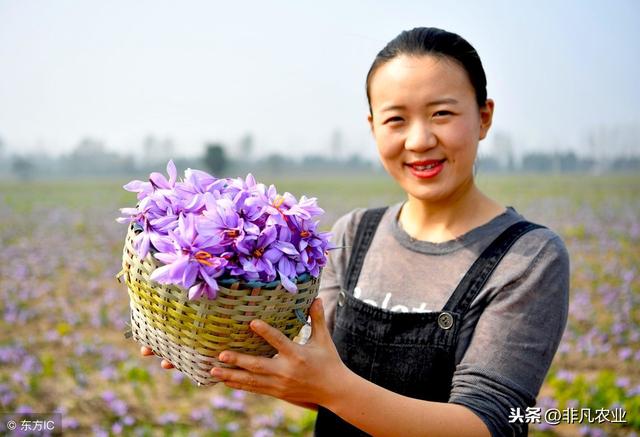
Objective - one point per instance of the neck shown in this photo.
(449, 218)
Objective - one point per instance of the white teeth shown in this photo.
(425, 167)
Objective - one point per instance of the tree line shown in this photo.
(91, 158)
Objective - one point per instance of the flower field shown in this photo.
(63, 314)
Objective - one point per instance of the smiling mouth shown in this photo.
(425, 165)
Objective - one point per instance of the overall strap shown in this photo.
(483, 267)
(364, 235)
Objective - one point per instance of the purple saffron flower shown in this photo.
(194, 188)
(219, 402)
(156, 180)
(238, 395)
(108, 396)
(251, 206)
(233, 426)
(623, 382)
(117, 428)
(6, 395)
(221, 219)
(257, 258)
(109, 373)
(24, 409)
(119, 407)
(193, 255)
(168, 418)
(69, 423)
(263, 432)
(625, 353)
(306, 209)
(99, 432)
(204, 229)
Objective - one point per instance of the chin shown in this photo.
(427, 195)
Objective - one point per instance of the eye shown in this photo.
(442, 113)
(395, 119)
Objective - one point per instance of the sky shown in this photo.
(291, 73)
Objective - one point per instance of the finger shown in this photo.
(274, 337)
(319, 328)
(166, 365)
(242, 378)
(146, 351)
(259, 365)
(249, 388)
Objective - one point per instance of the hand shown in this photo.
(146, 351)
(306, 374)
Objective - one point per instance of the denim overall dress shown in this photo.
(412, 354)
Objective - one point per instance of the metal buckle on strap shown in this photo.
(445, 320)
(341, 298)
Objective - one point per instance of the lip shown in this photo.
(426, 162)
(438, 165)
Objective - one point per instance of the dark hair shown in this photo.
(434, 42)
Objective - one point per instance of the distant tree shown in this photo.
(356, 161)
(215, 158)
(149, 146)
(538, 162)
(4, 165)
(22, 167)
(488, 164)
(336, 144)
(612, 141)
(246, 147)
(567, 162)
(168, 147)
(315, 162)
(503, 150)
(89, 148)
(275, 162)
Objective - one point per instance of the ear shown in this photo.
(486, 117)
(370, 120)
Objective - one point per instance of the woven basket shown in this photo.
(191, 334)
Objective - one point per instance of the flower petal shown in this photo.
(162, 275)
(166, 258)
(287, 283)
(172, 172)
(195, 292)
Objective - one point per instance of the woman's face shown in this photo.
(427, 125)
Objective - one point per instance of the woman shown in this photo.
(445, 311)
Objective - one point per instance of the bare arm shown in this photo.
(381, 412)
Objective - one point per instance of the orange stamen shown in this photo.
(201, 256)
(279, 200)
(277, 203)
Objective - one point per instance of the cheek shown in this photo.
(389, 145)
(463, 142)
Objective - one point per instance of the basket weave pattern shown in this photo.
(191, 334)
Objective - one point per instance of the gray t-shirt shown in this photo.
(512, 328)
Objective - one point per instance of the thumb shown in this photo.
(319, 328)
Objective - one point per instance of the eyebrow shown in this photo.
(434, 103)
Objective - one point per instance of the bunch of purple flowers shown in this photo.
(207, 230)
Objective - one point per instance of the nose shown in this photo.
(420, 137)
